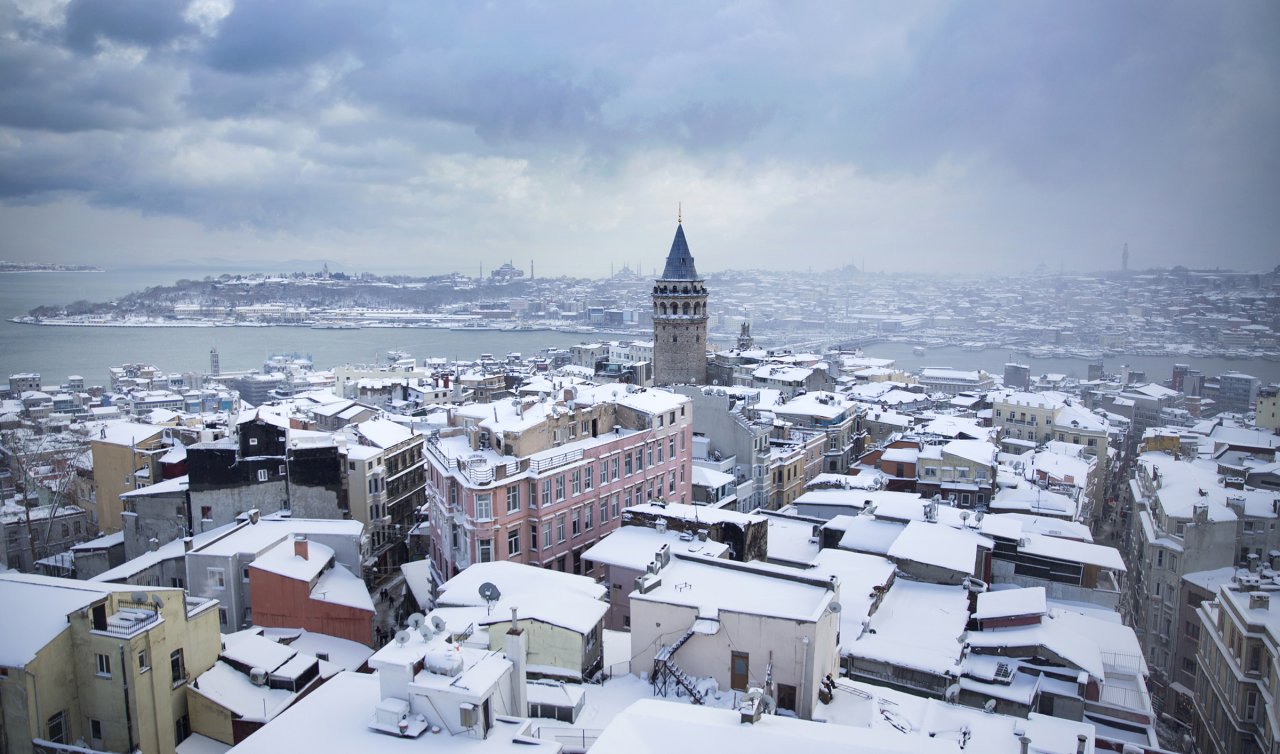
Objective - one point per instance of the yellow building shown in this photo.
(99, 665)
(125, 457)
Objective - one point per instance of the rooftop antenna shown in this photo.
(490, 594)
(679, 214)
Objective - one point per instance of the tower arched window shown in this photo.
(686, 307)
(686, 289)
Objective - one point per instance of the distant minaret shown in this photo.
(531, 269)
(1124, 258)
(214, 367)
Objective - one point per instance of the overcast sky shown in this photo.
(431, 136)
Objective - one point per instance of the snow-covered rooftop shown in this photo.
(633, 547)
(713, 585)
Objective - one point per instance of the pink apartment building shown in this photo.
(539, 481)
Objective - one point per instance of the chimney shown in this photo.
(300, 545)
(1081, 741)
(1024, 744)
(187, 544)
(517, 647)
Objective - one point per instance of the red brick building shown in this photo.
(297, 584)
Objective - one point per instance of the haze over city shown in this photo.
(437, 137)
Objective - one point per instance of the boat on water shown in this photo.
(918, 350)
(335, 326)
(395, 355)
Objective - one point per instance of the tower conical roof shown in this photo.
(679, 260)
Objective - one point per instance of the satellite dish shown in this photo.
(489, 592)
(835, 607)
(138, 598)
(415, 620)
(438, 623)
(157, 601)
(402, 637)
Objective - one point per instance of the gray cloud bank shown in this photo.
(435, 136)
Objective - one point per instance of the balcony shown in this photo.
(539, 465)
(126, 622)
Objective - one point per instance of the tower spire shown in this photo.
(679, 214)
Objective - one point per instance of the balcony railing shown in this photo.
(539, 465)
(128, 622)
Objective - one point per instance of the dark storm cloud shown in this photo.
(146, 23)
(266, 35)
(898, 125)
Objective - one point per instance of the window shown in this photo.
(58, 728)
(533, 536)
(177, 667)
(513, 498)
(671, 447)
(206, 513)
(182, 728)
(577, 523)
(650, 449)
(484, 506)
(486, 550)
(222, 615)
(614, 465)
(263, 475)
(513, 542)
(546, 533)
(639, 459)
(671, 485)
(604, 511)
(661, 457)
(104, 665)
(546, 492)
(931, 471)
(143, 662)
(217, 578)
(560, 528)
(587, 514)
(589, 477)
(604, 471)
(614, 509)
(560, 487)
(95, 731)
(575, 482)
(626, 470)
(283, 470)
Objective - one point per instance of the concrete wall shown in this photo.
(208, 718)
(765, 639)
(551, 645)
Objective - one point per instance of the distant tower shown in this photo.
(745, 342)
(1124, 259)
(679, 319)
(215, 368)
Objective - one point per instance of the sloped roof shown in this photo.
(679, 260)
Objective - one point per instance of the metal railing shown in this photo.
(562, 459)
(578, 738)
